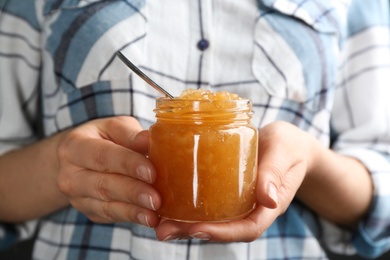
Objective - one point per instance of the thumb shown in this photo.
(140, 142)
(268, 185)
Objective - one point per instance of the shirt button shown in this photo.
(203, 44)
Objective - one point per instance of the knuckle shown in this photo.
(276, 173)
(118, 121)
(245, 233)
(103, 187)
(250, 238)
(255, 228)
(100, 158)
(127, 164)
(107, 211)
(113, 122)
(253, 235)
(64, 184)
(252, 232)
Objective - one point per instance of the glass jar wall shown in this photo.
(205, 153)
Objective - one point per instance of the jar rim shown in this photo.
(167, 100)
(239, 109)
(205, 100)
(236, 105)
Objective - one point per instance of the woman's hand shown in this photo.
(292, 163)
(286, 153)
(104, 172)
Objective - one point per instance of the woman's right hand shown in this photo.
(104, 172)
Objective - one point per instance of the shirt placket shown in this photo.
(200, 58)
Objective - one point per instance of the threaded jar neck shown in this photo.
(203, 110)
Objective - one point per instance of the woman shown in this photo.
(73, 118)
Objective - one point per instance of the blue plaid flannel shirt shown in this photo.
(323, 66)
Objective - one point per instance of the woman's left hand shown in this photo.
(286, 154)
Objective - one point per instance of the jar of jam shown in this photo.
(204, 148)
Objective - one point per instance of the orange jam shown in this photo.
(204, 148)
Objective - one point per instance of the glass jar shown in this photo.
(205, 153)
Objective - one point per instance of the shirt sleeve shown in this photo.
(20, 65)
(361, 117)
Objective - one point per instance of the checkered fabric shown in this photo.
(323, 66)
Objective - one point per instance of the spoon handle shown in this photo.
(142, 75)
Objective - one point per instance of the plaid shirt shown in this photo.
(323, 66)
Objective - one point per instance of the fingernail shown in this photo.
(144, 173)
(201, 236)
(147, 201)
(171, 238)
(273, 194)
(143, 219)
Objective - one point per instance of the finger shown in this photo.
(119, 129)
(104, 156)
(243, 230)
(126, 131)
(111, 212)
(140, 143)
(269, 183)
(278, 181)
(274, 163)
(282, 164)
(110, 187)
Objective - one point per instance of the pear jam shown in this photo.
(204, 148)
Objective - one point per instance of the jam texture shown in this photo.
(205, 155)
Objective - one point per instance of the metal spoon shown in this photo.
(142, 75)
